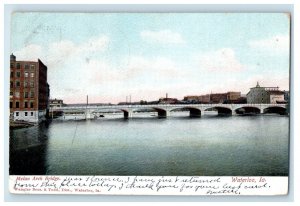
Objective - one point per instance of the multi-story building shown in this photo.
(29, 90)
(233, 96)
(192, 98)
(204, 98)
(215, 98)
(54, 103)
(218, 98)
(265, 95)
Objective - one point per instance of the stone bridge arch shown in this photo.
(126, 112)
(194, 111)
(275, 110)
(162, 113)
(247, 110)
(222, 111)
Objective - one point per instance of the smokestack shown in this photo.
(87, 99)
(166, 95)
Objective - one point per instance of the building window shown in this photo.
(17, 104)
(11, 74)
(10, 104)
(18, 66)
(31, 84)
(31, 94)
(31, 74)
(26, 74)
(26, 104)
(11, 85)
(26, 66)
(32, 66)
(31, 105)
(26, 113)
(31, 113)
(17, 114)
(18, 74)
(17, 94)
(26, 95)
(11, 94)
(18, 84)
(11, 65)
(25, 84)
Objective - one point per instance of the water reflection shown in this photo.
(209, 146)
(27, 150)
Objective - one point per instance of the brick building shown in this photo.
(233, 96)
(218, 98)
(204, 98)
(215, 98)
(29, 90)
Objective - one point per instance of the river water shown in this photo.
(178, 145)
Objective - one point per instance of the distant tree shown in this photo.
(143, 102)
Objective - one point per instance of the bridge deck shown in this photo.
(166, 106)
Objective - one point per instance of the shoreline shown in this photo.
(20, 124)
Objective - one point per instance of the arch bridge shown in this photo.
(165, 110)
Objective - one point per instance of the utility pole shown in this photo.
(87, 102)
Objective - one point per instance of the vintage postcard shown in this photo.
(149, 103)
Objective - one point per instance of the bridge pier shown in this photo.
(127, 114)
(163, 113)
(233, 112)
(88, 114)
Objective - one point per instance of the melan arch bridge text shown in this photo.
(165, 110)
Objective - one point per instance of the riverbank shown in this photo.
(20, 124)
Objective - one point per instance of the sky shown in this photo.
(111, 56)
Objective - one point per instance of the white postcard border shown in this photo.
(278, 181)
(149, 185)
